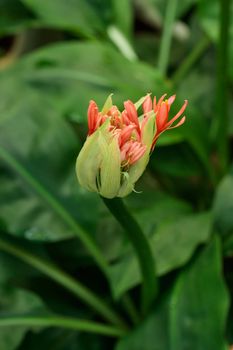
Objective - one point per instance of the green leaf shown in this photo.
(196, 156)
(13, 300)
(209, 15)
(123, 16)
(192, 315)
(63, 339)
(51, 338)
(194, 132)
(200, 304)
(159, 207)
(173, 245)
(38, 184)
(170, 159)
(223, 206)
(17, 274)
(175, 242)
(68, 76)
(14, 16)
(78, 16)
(152, 334)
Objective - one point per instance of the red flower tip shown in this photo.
(162, 112)
(131, 111)
(181, 111)
(147, 104)
(156, 106)
(92, 115)
(127, 127)
(171, 99)
(162, 116)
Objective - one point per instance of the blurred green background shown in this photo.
(56, 55)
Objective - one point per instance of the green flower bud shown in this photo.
(118, 145)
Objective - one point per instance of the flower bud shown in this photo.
(118, 145)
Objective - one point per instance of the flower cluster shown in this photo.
(118, 145)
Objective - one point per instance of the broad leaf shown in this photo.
(69, 77)
(14, 16)
(150, 207)
(223, 206)
(209, 14)
(173, 245)
(78, 16)
(200, 304)
(191, 317)
(152, 333)
(15, 301)
(38, 185)
(123, 16)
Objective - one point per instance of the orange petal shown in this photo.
(171, 100)
(126, 133)
(161, 100)
(162, 117)
(178, 114)
(136, 152)
(131, 112)
(147, 105)
(182, 120)
(92, 115)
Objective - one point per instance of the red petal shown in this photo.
(136, 152)
(154, 104)
(178, 114)
(161, 100)
(182, 120)
(171, 100)
(143, 123)
(132, 112)
(125, 118)
(162, 117)
(147, 105)
(126, 133)
(92, 115)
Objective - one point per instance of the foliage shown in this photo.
(69, 278)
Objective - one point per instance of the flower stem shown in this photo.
(167, 35)
(221, 122)
(65, 280)
(141, 246)
(57, 207)
(190, 60)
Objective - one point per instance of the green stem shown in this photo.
(221, 123)
(62, 322)
(65, 280)
(167, 35)
(141, 246)
(190, 60)
(86, 239)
